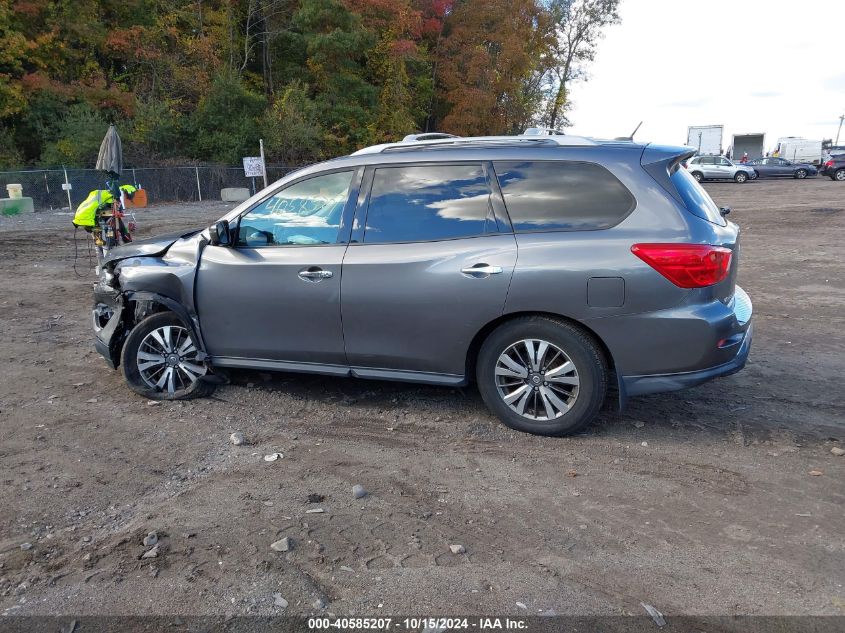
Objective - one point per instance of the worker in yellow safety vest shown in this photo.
(86, 212)
(100, 200)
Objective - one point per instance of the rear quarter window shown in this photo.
(562, 196)
(696, 199)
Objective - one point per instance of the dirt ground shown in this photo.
(724, 499)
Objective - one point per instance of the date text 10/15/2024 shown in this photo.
(416, 624)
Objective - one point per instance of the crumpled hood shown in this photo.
(150, 247)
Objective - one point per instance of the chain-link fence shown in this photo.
(48, 187)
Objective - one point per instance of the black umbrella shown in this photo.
(110, 158)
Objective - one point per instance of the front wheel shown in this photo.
(542, 376)
(801, 174)
(740, 177)
(698, 176)
(160, 360)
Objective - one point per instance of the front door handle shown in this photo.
(314, 274)
(480, 271)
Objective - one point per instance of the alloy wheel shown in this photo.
(537, 380)
(167, 359)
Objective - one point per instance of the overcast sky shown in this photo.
(750, 65)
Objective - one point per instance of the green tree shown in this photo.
(10, 155)
(76, 138)
(292, 131)
(224, 127)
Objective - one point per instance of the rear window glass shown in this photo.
(562, 196)
(696, 199)
(415, 204)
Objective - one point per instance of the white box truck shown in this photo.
(707, 139)
(799, 150)
(751, 144)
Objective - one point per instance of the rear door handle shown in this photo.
(314, 274)
(480, 271)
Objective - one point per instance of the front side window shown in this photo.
(306, 213)
(428, 203)
(562, 196)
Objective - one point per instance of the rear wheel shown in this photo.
(839, 175)
(698, 176)
(160, 360)
(740, 176)
(801, 174)
(542, 376)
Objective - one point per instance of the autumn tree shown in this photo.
(489, 64)
(578, 26)
(204, 79)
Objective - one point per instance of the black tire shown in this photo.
(198, 389)
(801, 174)
(740, 177)
(698, 176)
(586, 355)
(839, 175)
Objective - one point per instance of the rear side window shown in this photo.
(427, 203)
(562, 196)
(696, 199)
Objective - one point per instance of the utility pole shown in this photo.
(263, 166)
(841, 118)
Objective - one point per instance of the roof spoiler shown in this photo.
(660, 161)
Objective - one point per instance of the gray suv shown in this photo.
(719, 168)
(551, 270)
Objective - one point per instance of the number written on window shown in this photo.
(306, 213)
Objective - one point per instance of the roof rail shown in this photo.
(444, 141)
(427, 136)
(543, 131)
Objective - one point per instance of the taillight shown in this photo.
(687, 265)
(829, 163)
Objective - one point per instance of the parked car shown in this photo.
(774, 167)
(550, 270)
(719, 168)
(835, 168)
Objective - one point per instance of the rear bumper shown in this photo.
(658, 383)
(730, 343)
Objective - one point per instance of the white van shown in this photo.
(799, 150)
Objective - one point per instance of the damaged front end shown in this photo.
(109, 327)
(142, 279)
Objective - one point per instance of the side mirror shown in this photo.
(724, 210)
(219, 234)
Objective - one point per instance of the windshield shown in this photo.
(696, 199)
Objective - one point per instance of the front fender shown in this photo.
(110, 336)
(190, 320)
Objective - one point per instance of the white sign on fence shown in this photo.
(253, 166)
(66, 186)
